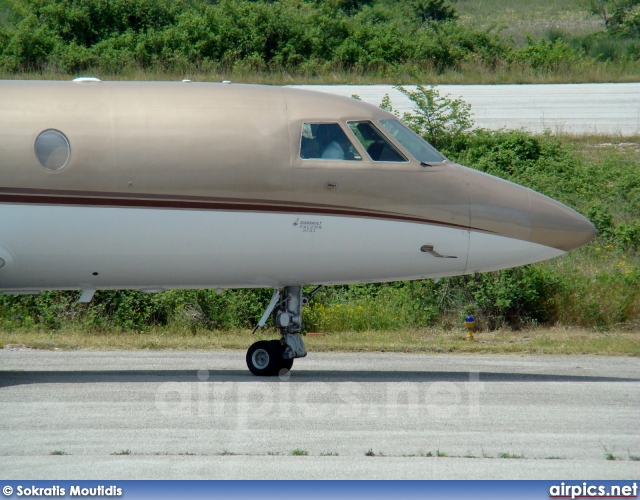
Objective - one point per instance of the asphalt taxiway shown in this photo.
(577, 108)
(176, 414)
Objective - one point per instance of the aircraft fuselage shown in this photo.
(189, 185)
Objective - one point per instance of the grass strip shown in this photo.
(554, 340)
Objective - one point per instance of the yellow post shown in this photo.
(471, 323)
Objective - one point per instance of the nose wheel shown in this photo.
(265, 358)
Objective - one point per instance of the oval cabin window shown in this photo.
(52, 149)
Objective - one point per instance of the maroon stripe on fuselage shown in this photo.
(146, 196)
(123, 200)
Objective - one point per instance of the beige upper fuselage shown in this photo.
(237, 147)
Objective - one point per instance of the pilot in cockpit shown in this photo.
(334, 141)
(326, 141)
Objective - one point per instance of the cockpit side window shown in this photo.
(377, 145)
(326, 141)
(420, 149)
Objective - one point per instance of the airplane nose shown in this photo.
(507, 209)
(556, 225)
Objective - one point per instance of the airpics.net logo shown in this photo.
(586, 490)
(247, 404)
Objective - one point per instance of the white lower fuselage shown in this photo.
(89, 248)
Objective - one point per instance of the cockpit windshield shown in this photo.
(378, 147)
(412, 142)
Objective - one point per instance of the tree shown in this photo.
(433, 10)
(621, 17)
(439, 119)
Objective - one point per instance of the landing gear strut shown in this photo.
(269, 357)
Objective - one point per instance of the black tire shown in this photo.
(286, 363)
(264, 358)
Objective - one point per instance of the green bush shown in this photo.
(379, 36)
(440, 120)
(28, 46)
(133, 310)
(433, 10)
(625, 20)
(546, 55)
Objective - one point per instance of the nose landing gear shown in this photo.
(269, 357)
